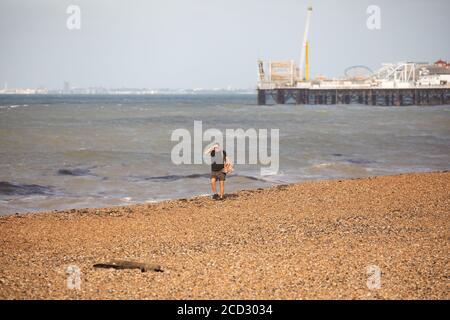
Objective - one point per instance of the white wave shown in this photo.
(264, 172)
(17, 106)
(324, 165)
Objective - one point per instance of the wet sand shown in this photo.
(313, 240)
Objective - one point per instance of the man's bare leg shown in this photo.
(213, 185)
(222, 188)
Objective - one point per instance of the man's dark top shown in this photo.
(217, 160)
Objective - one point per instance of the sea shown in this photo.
(62, 152)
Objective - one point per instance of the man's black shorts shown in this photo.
(219, 175)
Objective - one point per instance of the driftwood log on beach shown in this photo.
(124, 264)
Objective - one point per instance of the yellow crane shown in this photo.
(304, 59)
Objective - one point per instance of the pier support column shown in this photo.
(397, 98)
(320, 98)
(360, 97)
(261, 97)
(279, 96)
(347, 97)
(298, 97)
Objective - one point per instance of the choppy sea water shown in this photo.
(61, 152)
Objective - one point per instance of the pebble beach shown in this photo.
(311, 240)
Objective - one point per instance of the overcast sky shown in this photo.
(206, 43)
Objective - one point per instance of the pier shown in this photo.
(394, 84)
(367, 96)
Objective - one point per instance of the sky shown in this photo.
(207, 43)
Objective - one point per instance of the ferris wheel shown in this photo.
(358, 72)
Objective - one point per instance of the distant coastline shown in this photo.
(123, 91)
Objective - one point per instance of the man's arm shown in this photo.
(210, 148)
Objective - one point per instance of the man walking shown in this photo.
(218, 170)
